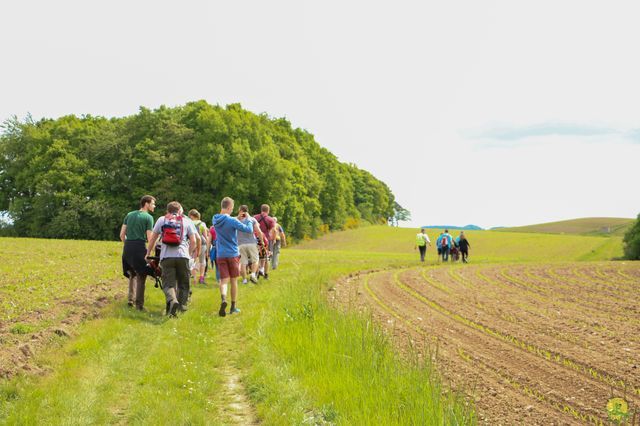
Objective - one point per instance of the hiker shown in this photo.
(280, 241)
(212, 251)
(201, 259)
(464, 245)
(134, 233)
(179, 244)
(247, 245)
(422, 240)
(266, 226)
(227, 252)
(438, 246)
(445, 243)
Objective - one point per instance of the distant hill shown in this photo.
(584, 226)
(462, 228)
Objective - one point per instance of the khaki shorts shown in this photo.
(248, 254)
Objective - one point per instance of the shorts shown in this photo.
(248, 254)
(203, 256)
(229, 267)
(439, 250)
(133, 258)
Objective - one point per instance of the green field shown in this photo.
(586, 226)
(290, 357)
(486, 246)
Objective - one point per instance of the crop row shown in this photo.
(540, 352)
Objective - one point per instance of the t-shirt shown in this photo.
(247, 237)
(212, 231)
(422, 239)
(183, 249)
(201, 227)
(138, 223)
(266, 223)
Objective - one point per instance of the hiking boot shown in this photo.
(166, 311)
(266, 276)
(173, 311)
(201, 280)
(253, 279)
(130, 304)
(234, 311)
(222, 312)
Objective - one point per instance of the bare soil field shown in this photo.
(530, 343)
(21, 338)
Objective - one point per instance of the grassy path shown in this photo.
(287, 358)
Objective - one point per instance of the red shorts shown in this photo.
(229, 267)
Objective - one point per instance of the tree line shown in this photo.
(76, 177)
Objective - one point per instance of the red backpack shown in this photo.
(172, 230)
(444, 242)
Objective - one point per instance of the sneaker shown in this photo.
(234, 311)
(173, 311)
(244, 281)
(130, 304)
(201, 280)
(182, 308)
(253, 279)
(222, 312)
(266, 276)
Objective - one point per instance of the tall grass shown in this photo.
(344, 366)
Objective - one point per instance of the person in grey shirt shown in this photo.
(248, 245)
(174, 258)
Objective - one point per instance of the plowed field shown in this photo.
(531, 343)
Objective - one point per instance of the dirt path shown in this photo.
(525, 349)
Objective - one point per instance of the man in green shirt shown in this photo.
(134, 233)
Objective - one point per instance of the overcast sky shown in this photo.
(495, 113)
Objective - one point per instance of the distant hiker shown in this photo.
(464, 246)
(203, 252)
(247, 245)
(266, 226)
(279, 242)
(438, 245)
(212, 251)
(445, 244)
(179, 245)
(135, 231)
(227, 252)
(422, 240)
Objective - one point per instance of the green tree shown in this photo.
(632, 241)
(76, 177)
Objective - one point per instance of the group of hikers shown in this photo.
(448, 247)
(178, 248)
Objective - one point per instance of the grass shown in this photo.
(300, 360)
(486, 246)
(584, 226)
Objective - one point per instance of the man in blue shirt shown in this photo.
(227, 252)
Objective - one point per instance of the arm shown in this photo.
(193, 247)
(284, 239)
(149, 234)
(152, 243)
(123, 232)
(240, 226)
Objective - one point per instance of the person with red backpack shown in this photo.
(179, 245)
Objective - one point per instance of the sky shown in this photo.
(493, 113)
